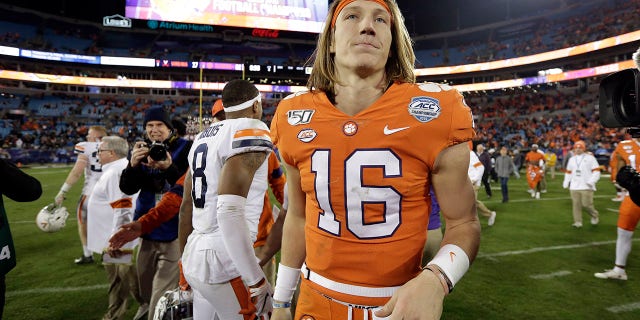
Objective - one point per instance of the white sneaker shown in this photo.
(617, 198)
(595, 220)
(577, 225)
(611, 274)
(537, 195)
(543, 191)
(492, 219)
(531, 191)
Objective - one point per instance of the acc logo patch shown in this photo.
(307, 317)
(424, 109)
(298, 117)
(306, 135)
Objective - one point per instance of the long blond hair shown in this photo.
(399, 67)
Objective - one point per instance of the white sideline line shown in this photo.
(561, 273)
(534, 250)
(498, 199)
(624, 307)
(34, 220)
(55, 290)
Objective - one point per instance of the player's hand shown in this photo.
(139, 152)
(260, 300)
(162, 164)
(127, 233)
(281, 314)
(261, 296)
(419, 299)
(184, 285)
(115, 253)
(59, 198)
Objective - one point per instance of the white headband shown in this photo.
(243, 105)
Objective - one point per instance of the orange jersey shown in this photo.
(276, 182)
(629, 151)
(534, 157)
(367, 177)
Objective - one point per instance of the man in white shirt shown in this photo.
(475, 172)
(110, 208)
(583, 172)
(87, 163)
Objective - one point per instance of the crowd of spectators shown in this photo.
(553, 119)
(571, 25)
(47, 126)
(566, 28)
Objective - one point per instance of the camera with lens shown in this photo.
(157, 151)
(619, 107)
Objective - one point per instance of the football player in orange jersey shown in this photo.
(627, 153)
(362, 149)
(535, 171)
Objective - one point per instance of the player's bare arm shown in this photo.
(237, 173)
(457, 201)
(186, 210)
(422, 297)
(293, 251)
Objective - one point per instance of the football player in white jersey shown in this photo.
(227, 183)
(86, 162)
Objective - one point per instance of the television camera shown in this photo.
(619, 107)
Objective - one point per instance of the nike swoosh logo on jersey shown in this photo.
(388, 131)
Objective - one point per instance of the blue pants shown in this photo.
(504, 188)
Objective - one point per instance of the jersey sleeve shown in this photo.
(79, 148)
(462, 125)
(276, 130)
(250, 136)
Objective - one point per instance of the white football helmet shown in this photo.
(175, 305)
(52, 218)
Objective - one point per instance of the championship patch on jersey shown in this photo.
(251, 138)
(306, 135)
(298, 117)
(424, 109)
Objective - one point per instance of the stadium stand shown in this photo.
(53, 117)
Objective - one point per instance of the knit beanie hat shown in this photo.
(157, 114)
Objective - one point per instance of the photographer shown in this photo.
(155, 165)
(618, 107)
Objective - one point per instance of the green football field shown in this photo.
(532, 264)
